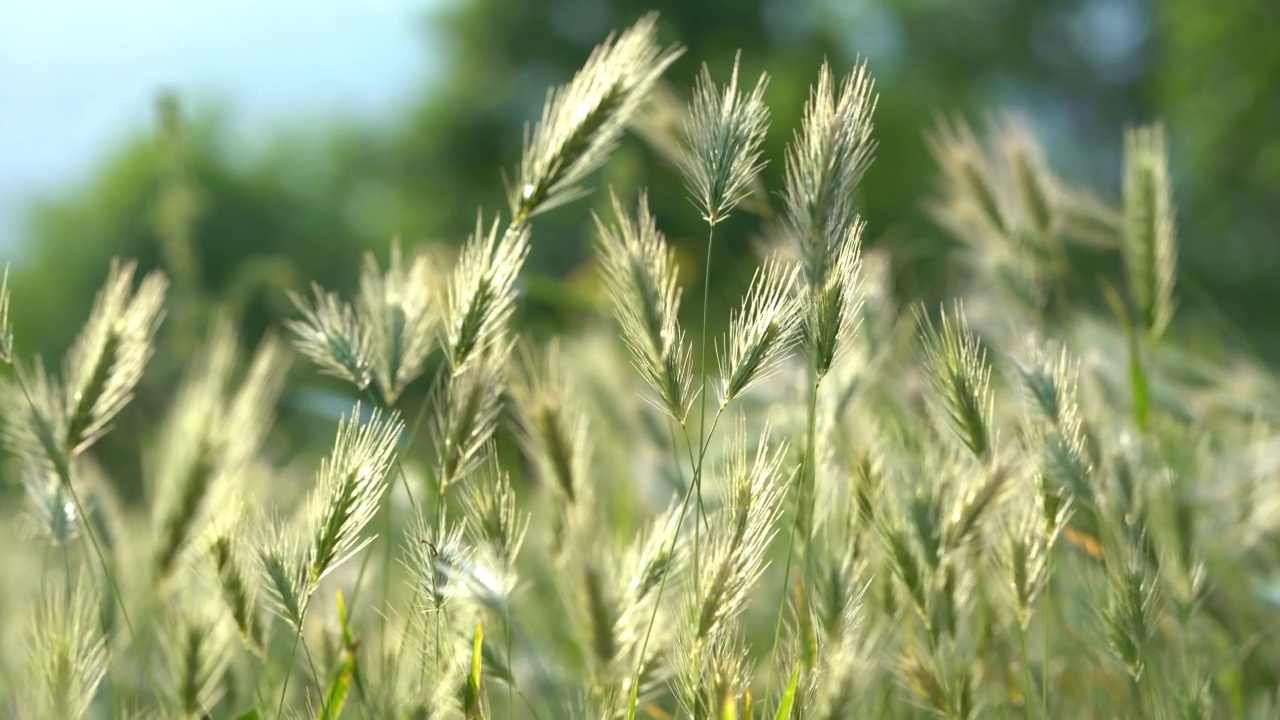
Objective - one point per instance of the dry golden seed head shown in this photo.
(724, 131)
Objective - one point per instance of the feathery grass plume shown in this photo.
(1027, 541)
(350, 486)
(104, 365)
(238, 589)
(1049, 375)
(554, 431)
(1037, 187)
(761, 331)
(283, 569)
(52, 514)
(489, 509)
(66, 653)
(614, 590)
(945, 683)
(640, 275)
(957, 367)
(718, 688)
(1150, 251)
(466, 407)
(198, 650)
(975, 498)
(211, 437)
(36, 421)
(481, 296)
(6, 323)
(582, 121)
(725, 130)
(1132, 611)
(831, 313)
(740, 536)
(399, 308)
(433, 560)
(333, 337)
(841, 661)
(825, 161)
(974, 205)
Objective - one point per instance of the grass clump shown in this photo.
(1016, 507)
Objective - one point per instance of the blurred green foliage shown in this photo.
(1079, 69)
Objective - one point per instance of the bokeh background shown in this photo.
(276, 140)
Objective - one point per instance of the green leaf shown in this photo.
(471, 693)
(251, 715)
(340, 688)
(788, 697)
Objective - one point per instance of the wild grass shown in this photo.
(1010, 505)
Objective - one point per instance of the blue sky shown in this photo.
(76, 76)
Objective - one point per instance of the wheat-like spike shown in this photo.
(958, 369)
(1150, 250)
(106, 362)
(1037, 187)
(553, 427)
(841, 601)
(489, 508)
(238, 589)
(825, 161)
(761, 331)
(198, 649)
(52, 511)
(713, 677)
(211, 438)
(640, 274)
(467, 406)
(1026, 544)
(349, 490)
(283, 569)
(481, 295)
(6, 323)
(67, 653)
(974, 500)
(973, 205)
(1132, 611)
(740, 536)
(333, 337)
(36, 422)
(832, 309)
(582, 121)
(432, 560)
(398, 308)
(725, 129)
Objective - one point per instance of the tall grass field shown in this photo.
(1035, 500)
